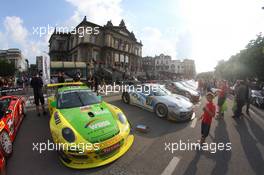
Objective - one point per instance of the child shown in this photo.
(209, 113)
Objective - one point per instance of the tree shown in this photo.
(7, 68)
(248, 63)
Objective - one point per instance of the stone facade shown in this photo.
(15, 56)
(164, 63)
(112, 47)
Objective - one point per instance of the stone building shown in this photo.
(148, 65)
(163, 65)
(39, 60)
(14, 56)
(109, 47)
(189, 68)
(162, 62)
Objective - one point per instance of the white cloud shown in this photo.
(220, 28)
(97, 11)
(17, 35)
(155, 42)
(15, 29)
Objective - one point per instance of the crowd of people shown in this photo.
(241, 97)
(7, 81)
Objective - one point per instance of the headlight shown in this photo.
(122, 118)
(68, 135)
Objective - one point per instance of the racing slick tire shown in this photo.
(161, 110)
(126, 98)
(6, 143)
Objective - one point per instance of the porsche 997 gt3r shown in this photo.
(93, 132)
(156, 98)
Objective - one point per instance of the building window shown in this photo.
(122, 58)
(116, 43)
(116, 57)
(95, 55)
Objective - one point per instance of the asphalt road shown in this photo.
(149, 154)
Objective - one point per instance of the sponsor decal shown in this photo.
(85, 108)
(90, 122)
(111, 148)
(20, 109)
(97, 125)
(112, 141)
(101, 112)
(10, 125)
(2, 125)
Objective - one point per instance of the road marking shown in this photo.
(257, 115)
(193, 124)
(171, 166)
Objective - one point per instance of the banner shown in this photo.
(46, 69)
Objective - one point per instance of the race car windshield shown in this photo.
(160, 92)
(72, 99)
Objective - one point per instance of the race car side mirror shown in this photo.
(53, 104)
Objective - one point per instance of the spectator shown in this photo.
(61, 78)
(248, 96)
(77, 77)
(52, 80)
(96, 83)
(240, 98)
(37, 85)
(209, 113)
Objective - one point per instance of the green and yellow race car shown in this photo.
(87, 132)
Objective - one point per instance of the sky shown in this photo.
(206, 30)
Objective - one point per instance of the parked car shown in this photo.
(257, 98)
(156, 98)
(12, 112)
(190, 83)
(179, 88)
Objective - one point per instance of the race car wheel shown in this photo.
(126, 98)
(6, 143)
(161, 110)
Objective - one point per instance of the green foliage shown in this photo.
(248, 63)
(6, 68)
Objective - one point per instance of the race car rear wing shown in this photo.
(65, 84)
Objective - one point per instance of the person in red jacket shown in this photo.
(208, 114)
